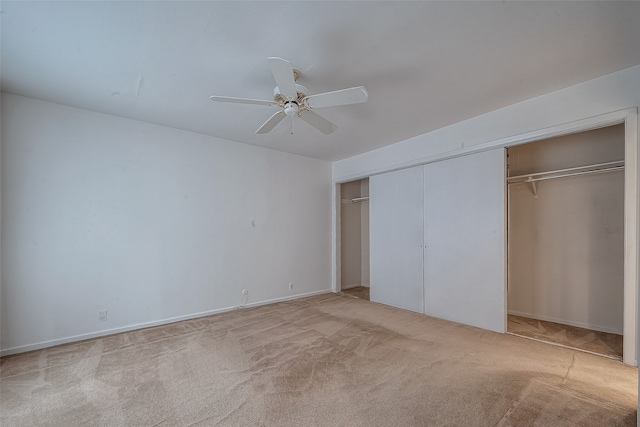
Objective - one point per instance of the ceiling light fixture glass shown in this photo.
(291, 109)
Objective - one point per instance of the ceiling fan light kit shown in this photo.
(294, 99)
(291, 109)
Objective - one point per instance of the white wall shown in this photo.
(566, 246)
(147, 222)
(613, 92)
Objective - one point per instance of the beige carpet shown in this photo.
(358, 292)
(603, 343)
(328, 360)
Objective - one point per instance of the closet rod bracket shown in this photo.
(534, 188)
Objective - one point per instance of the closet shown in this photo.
(354, 234)
(566, 233)
(535, 230)
(437, 236)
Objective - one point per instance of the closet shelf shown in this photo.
(561, 173)
(532, 178)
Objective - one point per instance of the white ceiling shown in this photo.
(425, 64)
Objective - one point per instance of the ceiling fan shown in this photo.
(294, 100)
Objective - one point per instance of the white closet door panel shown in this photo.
(464, 229)
(395, 223)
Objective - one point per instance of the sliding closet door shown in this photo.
(464, 239)
(395, 238)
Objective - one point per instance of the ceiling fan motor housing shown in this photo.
(286, 76)
(282, 101)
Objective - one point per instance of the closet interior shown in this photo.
(566, 240)
(354, 238)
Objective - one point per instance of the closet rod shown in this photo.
(545, 178)
(560, 173)
(355, 200)
(360, 199)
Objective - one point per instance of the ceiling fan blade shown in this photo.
(353, 95)
(283, 74)
(271, 123)
(240, 100)
(318, 122)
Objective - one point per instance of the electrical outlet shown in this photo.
(102, 315)
(245, 292)
(290, 286)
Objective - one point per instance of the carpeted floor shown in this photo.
(358, 292)
(328, 360)
(603, 343)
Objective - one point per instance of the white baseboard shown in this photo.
(567, 322)
(287, 298)
(82, 337)
(353, 286)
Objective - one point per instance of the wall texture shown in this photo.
(150, 223)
